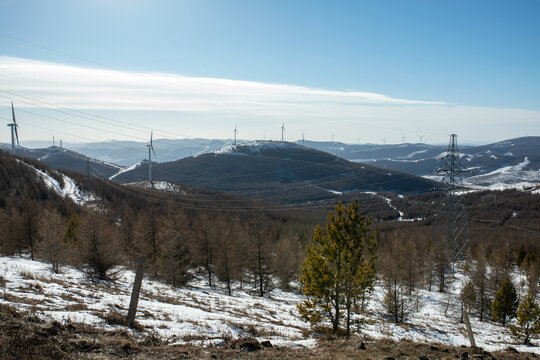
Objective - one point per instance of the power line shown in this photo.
(70, 134)
(89, 116)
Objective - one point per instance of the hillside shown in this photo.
(61, 158)
(278, 172)
(512, 163)
(201, 315)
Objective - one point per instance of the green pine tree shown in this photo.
(505, 303)
(70, 235)
(528, 320)
(338, 269)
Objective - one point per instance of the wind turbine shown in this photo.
(235, 132)
(150, 151)
(14, 133)
(421, 137)
(303, 139)
(282, 132)
(403, 137)
(383, 141)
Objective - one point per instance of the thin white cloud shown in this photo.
(210, 107)
(87, 88)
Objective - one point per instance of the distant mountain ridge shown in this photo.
(127, 153)
(421, 159)
(280, 172)
(510, 163)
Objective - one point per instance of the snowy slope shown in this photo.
(68, 188)
(200, 314)
(129, 168)
(515, 177)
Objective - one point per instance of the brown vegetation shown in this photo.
(25, 337)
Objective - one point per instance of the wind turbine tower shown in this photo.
(283, 132)
(150, 151)
(14, 133)
(235, 133)
(383, 141)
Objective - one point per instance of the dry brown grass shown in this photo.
(75, 307)
(20, 300)
(26, 338)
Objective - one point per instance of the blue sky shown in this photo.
(452, 59)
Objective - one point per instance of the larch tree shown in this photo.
(336, 267)
(50, 231)
(260, 260)
(398, 273)
(175, 254)
(99, 246)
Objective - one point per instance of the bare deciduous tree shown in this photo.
(51, 228)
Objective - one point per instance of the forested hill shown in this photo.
(280, 172)
(61, 158)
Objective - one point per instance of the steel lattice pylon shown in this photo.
(451, 228)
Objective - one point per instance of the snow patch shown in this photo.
(123, 170)
(335, 192)
(415, 153)
(255, 147)
(68, 188)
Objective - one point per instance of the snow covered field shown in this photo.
(202, 315)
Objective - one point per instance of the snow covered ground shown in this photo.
(68, 188)
(203, 315)
(509, 177)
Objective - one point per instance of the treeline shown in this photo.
(253, 251)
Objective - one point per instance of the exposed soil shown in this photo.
(23, 336)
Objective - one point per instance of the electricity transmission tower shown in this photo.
(451, 226)
(451, 231)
